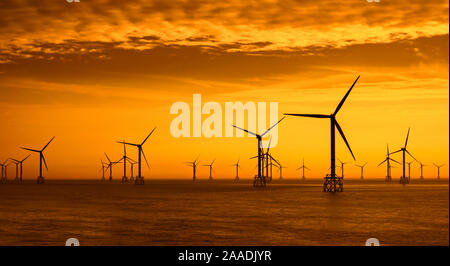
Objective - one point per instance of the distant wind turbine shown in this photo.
(362, 169)
(40, 178)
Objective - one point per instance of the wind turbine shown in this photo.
(4, 171)
(236, 179)
(362, 169)
(260, 179)
(280, 168)
(332, 180)
(40, 178)
(132, 164)
(4, 166)
(438, 170)
(210, 168)
(110, 165)
(140, 178)
(194, 165)
(404, 151)
(342, 168)
(409, 170)
(303, 167)
(388, 164)
(16, 162)
(103, 169)
(125, 158)
(421, 169)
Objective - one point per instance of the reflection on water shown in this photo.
(175, 212)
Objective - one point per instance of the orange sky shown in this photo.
(94, 72)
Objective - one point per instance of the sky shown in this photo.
(96, 72)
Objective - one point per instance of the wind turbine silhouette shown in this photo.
(131, 165)
(210, 168)
(110, 165)
(438, 170)
(362, 169)
(280, 168)
(421, 169)
(260, 179)
(139, 178)
(303, 168)
(16, 162)
(125, 158)
(4, 165)
(388, 164)
(404, 179)
(236, 179)
(103, 169)
(409, 170)
(40, 178)
(194, 165)
(333, 182)
(342, 168)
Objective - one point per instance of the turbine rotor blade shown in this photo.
(407, 136)
(270, 128)
(411, 155)
(148, 136)
(393, 160)
(345, 97)
(48, 144)
(25, 158)
(245, 130)
(345, 140)
(29, 149)
(142, 150)
(45, 163)
(309, 115)
(382, 162)
(395, 152)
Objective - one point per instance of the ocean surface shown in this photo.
(220, 212)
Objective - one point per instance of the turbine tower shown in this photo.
(260, 179)
(236, 179)
(140, 178)
(342, 168)
(210, 168)
(303, 168)
(362, 169)
(333, 182)
(125, 159)
(110, 165)
(280, 168)
(438, 170)
(409, 170)
(194, 165)
(404, 179)
(4, 166)
(104, 168)
(388, 164)
(132, 165)
(421, 169)
(40, 178)
(16, 162)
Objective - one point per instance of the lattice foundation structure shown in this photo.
(333, 184)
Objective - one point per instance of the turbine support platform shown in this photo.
(40, 180)
(139, 180)
(333, 184)
(404, 180)
(259, 181)
(124, 179)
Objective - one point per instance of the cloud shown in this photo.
(231, 25)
